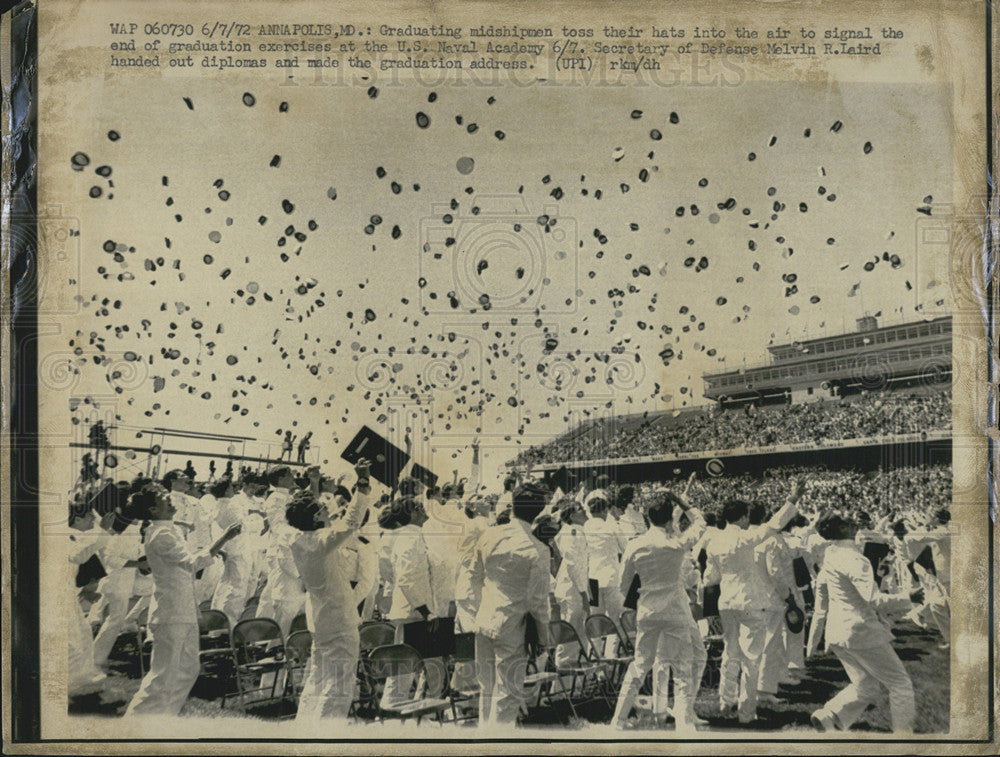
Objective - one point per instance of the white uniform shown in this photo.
(512, 569)
(442, 533)
(571, 582)
(233, 588)
(173, 620)
(466, 595)
(321, 558)
(205, 512)
(84, 676)
(283, 596)
(411, 588)
(937, 587)
(603, 551)
(116, 588)
(745, 599)
(847, 601)
(775, 558)
(667, 637)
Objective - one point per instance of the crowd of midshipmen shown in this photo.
(347, 551)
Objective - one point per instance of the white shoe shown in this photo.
(823, 721)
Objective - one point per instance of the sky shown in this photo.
(483, 262)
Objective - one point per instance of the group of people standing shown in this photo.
(502, 565)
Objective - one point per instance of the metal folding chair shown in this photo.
(600, 629)
(298, 624)
(583, 670)
(258, 650)
(463, 688)
(628, 627)
(372, 635)
(402, 659)
(378, 634)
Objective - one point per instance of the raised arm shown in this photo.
(788, 511)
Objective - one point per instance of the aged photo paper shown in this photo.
(342, 288)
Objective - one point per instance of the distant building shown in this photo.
(870, 358)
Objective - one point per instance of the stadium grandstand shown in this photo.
(874, 399)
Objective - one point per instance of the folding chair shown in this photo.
(214, 635)
(213, 624)
(258, 651)
(374, 635)
(298, 649)
(463, 688)
(583, 669)
(599, 629)
(214, 656)
(628, 628)
(298, 624)
(396, 660)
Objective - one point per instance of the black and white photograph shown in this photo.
(411, 399)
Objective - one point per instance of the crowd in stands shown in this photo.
(913, 491)
(865, 415)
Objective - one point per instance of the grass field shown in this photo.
(927, 664)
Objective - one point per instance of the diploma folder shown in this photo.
(387, 460)
(632, 598)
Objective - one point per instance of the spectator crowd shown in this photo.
(865, 415)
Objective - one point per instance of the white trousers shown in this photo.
(465, 614)
(501, 666)
(795, 649)
(330, 676)
(233, 589)
(867, 669)
(571, 610)
(173, 670)
(744, 634)
(111, 629)
(773, 660)
(610, 603)
(205, 586)
(939, 607)
(84, 678)
(667, 647)
(281, 609)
